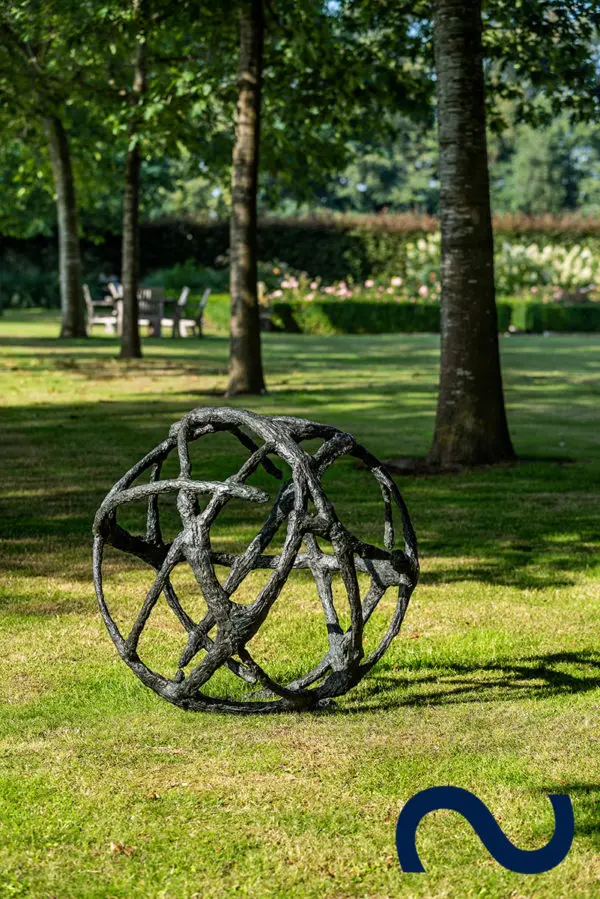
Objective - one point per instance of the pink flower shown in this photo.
(423, 290)
(314, 285)
(310, 296)
(390, 290)
(277, 293)
(369, 283)
(396, 282)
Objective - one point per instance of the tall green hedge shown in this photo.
(333, 249)
(316, 247)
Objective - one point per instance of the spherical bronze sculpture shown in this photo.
(309, 517)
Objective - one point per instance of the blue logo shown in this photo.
(488, 830)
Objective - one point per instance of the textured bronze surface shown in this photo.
(303, 509)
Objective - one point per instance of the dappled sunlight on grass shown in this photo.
(493, 683)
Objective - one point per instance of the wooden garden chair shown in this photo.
(151, 304)
(109, 316)
(182, 325)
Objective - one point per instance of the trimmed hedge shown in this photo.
(539, 317)
(369, 317)
(338, 247)
(356, 317)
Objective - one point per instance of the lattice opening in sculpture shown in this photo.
(310, 536)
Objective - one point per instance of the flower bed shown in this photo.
(540, 288)
(550, 273)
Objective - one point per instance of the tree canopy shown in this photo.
(348, 107)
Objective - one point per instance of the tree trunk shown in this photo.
(245, 362)
(71, 293)
(130, 253)
(130, 337)
(471, 426)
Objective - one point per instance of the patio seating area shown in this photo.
(157, 313)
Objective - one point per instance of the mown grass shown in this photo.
(493, 685)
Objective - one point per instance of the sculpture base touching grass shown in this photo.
(306, 516)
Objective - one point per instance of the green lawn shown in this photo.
(493, 684)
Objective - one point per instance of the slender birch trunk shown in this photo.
(245, 361)
(130, 255)
(71, 293)
(471, 426)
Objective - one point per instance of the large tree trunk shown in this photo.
(130, 255)
(471, 426)
(130, 337)
(245, 362)
(71, 293)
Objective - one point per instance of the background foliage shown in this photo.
(175, 252)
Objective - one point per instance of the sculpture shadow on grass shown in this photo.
(536, 677)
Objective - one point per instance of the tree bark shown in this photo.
(245, 361)
(471, 426)
(71, 293)
(130, 251)
(130, 337)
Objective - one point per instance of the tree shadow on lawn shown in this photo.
(308, 350)
(55, 520)
(532, 526)
(505, 681)
(367, 411)
(586, 806)
(534, 570)
(99, 364)
(33, 554)
(283, 353)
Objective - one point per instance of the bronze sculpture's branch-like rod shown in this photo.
(385, 570)
(133, 494)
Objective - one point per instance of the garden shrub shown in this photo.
(358, 317)
(188, 274)
(365, 317)
(25, 282)
(539, 317)
(354, 317)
